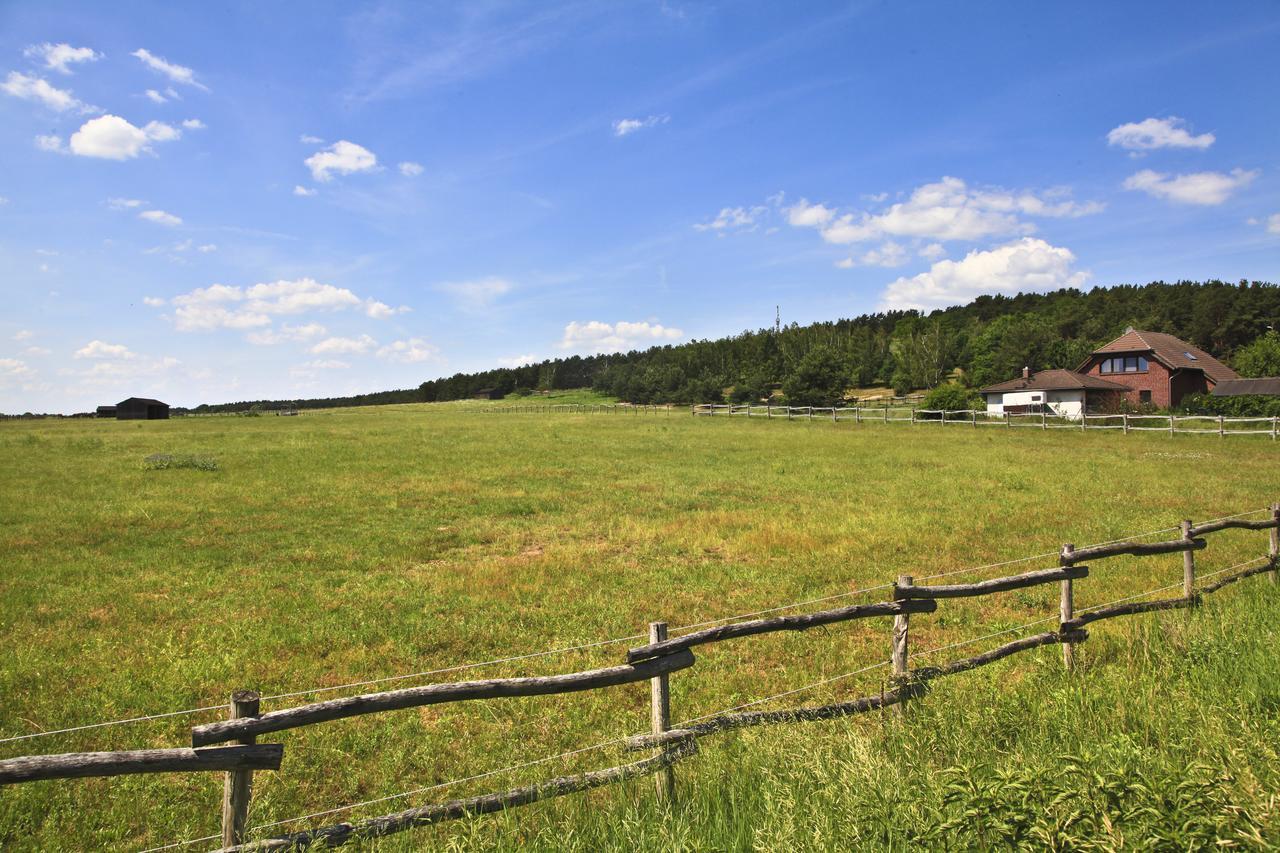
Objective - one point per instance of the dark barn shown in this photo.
(141, 409)
(106, 411)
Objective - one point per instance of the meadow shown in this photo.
(360, 544)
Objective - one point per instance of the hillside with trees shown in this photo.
(986, 341)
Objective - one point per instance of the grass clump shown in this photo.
(163, 461)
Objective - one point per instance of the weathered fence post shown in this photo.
(660, 715)
(1044, 421)
(1221, 431)
(1274, 550)
(1170, 424)
(238, 784)
(768, 411)
(1188, 564)
(901, 655)
(1067, 608)
(788, 411)
(1275, 421)
(1084, 421)
(1125, 416)
(944, 417)
(913, 416)
(833, 414)
(857, 414)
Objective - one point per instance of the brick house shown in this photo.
(1157, 369)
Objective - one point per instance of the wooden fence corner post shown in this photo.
(901, 654)
(237, 786)
(1067, 609)
(1188, 564)
(660, 716)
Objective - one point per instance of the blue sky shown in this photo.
(218, 202)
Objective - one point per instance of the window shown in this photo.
(1144, 397)
(1124, 364)
(1035, 398)
(1190, 356)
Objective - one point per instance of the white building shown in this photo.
(1064, 393)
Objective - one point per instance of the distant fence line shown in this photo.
(655, 662)
(1170, 424)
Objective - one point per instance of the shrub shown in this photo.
(953, 397)
(161, 461)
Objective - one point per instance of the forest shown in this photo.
(962, 348)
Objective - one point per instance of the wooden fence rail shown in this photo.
(655, 662)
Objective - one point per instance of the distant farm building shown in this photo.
(141, 409)
(1140, 368)
(105, 412)
(488, 394)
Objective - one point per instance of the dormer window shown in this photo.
(1124, 364)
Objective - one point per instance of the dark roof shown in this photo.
(1057, 380)
(1173, 353)
(1238, 387)
(147, 400)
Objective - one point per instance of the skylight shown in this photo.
(1190, 356)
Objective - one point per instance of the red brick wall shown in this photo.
(1155, 380)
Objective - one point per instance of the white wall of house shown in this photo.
(1066, 404)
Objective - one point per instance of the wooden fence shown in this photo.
(656, 662)
(1126, 423)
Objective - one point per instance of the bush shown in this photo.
(819, 379)
(1245, 406)
(161, 461)
(953, 397)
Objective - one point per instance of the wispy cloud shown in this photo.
(176, 73)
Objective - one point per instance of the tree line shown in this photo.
(962, 348)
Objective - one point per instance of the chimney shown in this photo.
(1026, 372)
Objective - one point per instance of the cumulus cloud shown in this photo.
(344, 346)
(411, 351)
(124, 203)
(59, 57)
(952, 210)
(410, 169)
(110, 137)
(343, 158)
(153, 301)
(519, 360)
(39, 90)
(300, 190)
(193, 124)
(381, 310)
(476, 294)
(1207, 188)
(11, 368)
(160, 217)
(50, 142)
(732, 219)
(307, 139)
(890, 254)
(805, 215)
(1152, 133)
(221, 306)
(932, 252)
(626, 126)
(326, 364)
(1273, 224)
(1025, 265)
(597, 337)
(287, 334)
(23, 335)
(102, 349)
(176, 73)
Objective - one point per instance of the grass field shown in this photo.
(358, 544)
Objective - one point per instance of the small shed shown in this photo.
(1268, 386)
(105, 412)
(488, 394)
(141, 409)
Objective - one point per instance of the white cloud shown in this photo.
(732, 219)
(153, 301)
(1273, 224)
(327, 364)
(51, 142)
(3, 201)
(193, 124)
(124, 203)
(412, 351)
(1025, 265)
(476, 294)
(13, 367)
(932, 252)
(221, 306)
(519, 360)
(410, 169)
(287, 334)
(156, 97)
(112, 138)
(38, 89)
(307, 139)
(342, 157)
(890, 254)
(23, 335)
(950, 210)
(160, 217)
(805, 215)
(176, 73)
(102, 349)
(38, 351)
(206, 248)
(1152, 133)
(597, 337)
(625, 126)
(58, 56)
(1206, 188)
(344, 346)
(300, 190)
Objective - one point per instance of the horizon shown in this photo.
(398, 194)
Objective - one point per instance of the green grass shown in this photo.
(355, 544)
